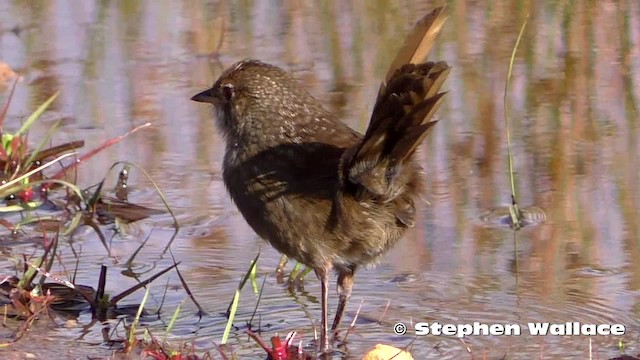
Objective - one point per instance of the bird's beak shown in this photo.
(205, 96)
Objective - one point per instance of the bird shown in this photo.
(317, 190)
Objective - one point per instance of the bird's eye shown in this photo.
(228, 91)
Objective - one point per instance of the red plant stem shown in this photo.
(93, 152)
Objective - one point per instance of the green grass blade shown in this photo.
(21, 207)
(233, 307)
(136, 320)
(34, 171)
(75, 222)
(514, 208)
(36, 114)
(174, 317)
(30, 273)
(253, 276)
(232, 315)
(42, 143)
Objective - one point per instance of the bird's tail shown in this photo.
(403, 114)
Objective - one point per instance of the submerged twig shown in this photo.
(186, 287)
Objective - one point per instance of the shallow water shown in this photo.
(574, 115)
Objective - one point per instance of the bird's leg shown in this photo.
(345, 285)
(323, 276)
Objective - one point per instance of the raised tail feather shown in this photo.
(402, 116)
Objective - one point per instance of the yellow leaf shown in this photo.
(386, 352)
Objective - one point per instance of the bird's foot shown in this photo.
(280, 269)
(296, 278)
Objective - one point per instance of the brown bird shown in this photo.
(318, 191)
